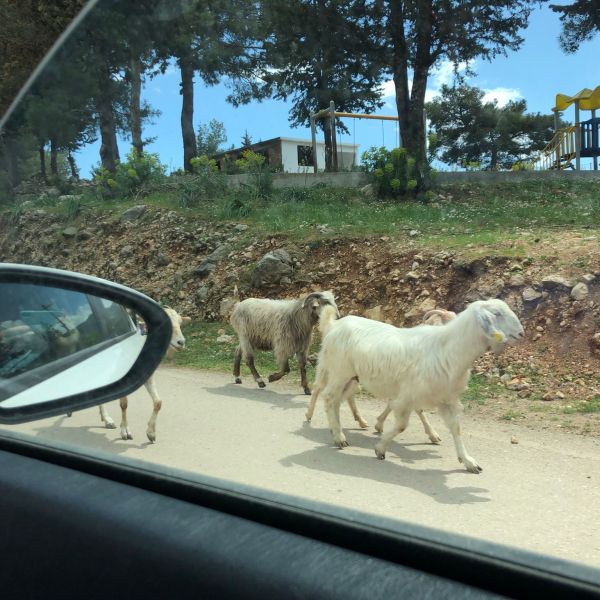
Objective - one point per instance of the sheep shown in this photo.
(177, 343)
(433, 317)
(420, 368)
(284, 326)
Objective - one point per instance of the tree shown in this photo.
(303, 61)
(246, 139)
(210, 138)
(469, 130)
(580, 22)
(421, 33)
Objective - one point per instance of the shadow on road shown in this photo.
(266, 395)
(90, 436)
(431, 482)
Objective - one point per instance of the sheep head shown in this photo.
(499, 323)
(177, 339)
(316, 301)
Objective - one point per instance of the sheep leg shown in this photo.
(156, 402)
(402, 415)
(125, 431)
(255, 373)
(429, 430)
(451, 416)
(106, 418)
(381, 418)
(237, 363)
(284, 369)
(320, 381)
(352, 403)
(301, 356)
(332, 395)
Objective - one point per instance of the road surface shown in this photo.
(542, 494)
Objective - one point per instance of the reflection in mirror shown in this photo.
(45, 331)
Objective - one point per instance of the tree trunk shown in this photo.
(187, 111)
(53, 157)
(326, 126)
(42, 154)
(136, 109)
(411, 107)
(8, 149)
(109, 149)
(73, 167)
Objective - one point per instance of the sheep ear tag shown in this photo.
(498, 337)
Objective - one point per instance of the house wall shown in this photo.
(289, 157)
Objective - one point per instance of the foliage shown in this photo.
(261, 178)
(206, 183)
(210, 138)
(580, 22)
(392, 172)
(471, 132)
(129, 176)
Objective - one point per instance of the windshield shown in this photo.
(427, 171)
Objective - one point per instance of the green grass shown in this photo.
(459, 215)
(584, 408)
(477, 392)
(511, 415)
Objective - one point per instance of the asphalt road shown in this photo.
(542, 494)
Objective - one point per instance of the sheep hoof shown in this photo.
(341, 444)
(471, 465)
(109, 424)
(308, 419)
(362, 423)
(261, 384)
(307, 391)
(238, 380)
(126, 433)
(378, 428)
(380, 454)
(151, 436)
(435, 439)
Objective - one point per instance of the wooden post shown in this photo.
(334, 157)
(595, 140)
(313, 134)
(577, 138)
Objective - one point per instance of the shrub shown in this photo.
(260, 184)
(392, 172)
(138, 170)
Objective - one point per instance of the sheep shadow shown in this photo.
(265, 395)
(95, 437)
(427, 481)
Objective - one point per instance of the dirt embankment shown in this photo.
(553, 285)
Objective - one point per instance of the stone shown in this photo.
(162, 260)
(413, 232)
(70, 232)
(556, 282)
(595, 341)
(202, 293)
(225, 339)
(514, 440)
(587, 278)
(580, 291)
(209, 264)
(73, 197)
(369, 191)
(133, 213)
(412, 276)
(516, 280)
(126, 251)
(241, 227)
(271, 269)
(375, 313)
(530, 295)
(85, 234)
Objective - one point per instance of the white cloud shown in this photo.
(502, 95)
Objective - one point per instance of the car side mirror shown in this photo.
(70, 341)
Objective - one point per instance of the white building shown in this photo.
(294, 155)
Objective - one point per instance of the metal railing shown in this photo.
(560, 151)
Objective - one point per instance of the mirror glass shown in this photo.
(47, 333)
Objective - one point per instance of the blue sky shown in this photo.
(537, 72)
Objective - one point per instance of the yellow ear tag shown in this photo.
(498, 337)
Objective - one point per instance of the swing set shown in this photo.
(331, 114)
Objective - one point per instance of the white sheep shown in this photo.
(177, 343)
(424, 367)
(437, 316)
(284, 326)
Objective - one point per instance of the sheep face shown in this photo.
(316, 301)
(499, 323)
(177, 339)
